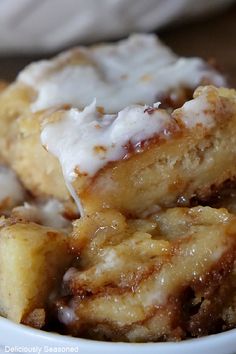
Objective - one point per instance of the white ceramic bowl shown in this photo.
(21, 339)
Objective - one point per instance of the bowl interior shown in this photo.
(15, 335)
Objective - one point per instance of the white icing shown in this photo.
(203, 109)
(74, 196)
(87, 141)
(66, 315)
(47, 214)
(10, 187)
(139, 70)
(197, 111)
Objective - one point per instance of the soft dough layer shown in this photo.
(161, 278)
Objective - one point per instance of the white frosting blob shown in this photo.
(47, 214)
(87, 141)
(197, 111)
(66, 315)
(202, 109)
(139, 70)
(10, 187)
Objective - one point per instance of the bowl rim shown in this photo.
(217, 339)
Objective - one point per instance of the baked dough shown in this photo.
(146, 158)
(163, 278)
(33, 259)
(132, 148)
(137, 70)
